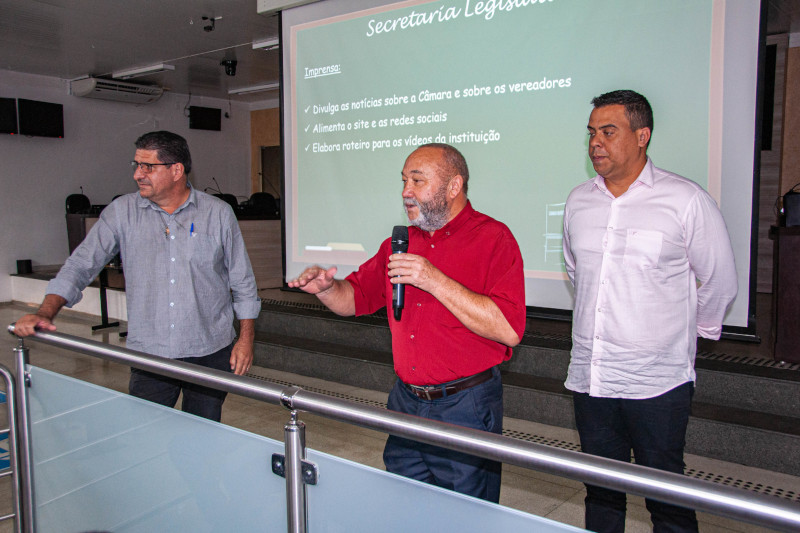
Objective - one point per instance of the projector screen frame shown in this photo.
(746, 332)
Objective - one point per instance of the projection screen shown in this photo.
(509, 83)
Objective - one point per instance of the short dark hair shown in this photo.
(637, 108)
(170, 147)
(453, 162)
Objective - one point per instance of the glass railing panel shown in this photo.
(354, 497)
(106, 461)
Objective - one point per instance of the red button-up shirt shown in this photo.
(430, 345)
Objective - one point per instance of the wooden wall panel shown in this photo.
(265, 130)
(262, 238)
(769, 189)
(790, 158)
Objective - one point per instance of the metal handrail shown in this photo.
(731, 502)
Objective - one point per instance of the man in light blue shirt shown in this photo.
(186, 274)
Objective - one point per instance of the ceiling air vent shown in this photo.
(118, 91)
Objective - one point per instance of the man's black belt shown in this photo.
(434, 392)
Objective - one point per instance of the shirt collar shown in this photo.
(192, 199)
(645, 178)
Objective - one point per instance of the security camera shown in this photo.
(210, 25)
(230, 66)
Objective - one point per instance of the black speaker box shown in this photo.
(791, 208)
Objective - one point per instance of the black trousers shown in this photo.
(655, 430)
(197, 400)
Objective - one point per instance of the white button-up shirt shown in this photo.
(652, 270)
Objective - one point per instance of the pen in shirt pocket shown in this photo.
(191, 230)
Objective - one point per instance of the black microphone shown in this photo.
(399, 246)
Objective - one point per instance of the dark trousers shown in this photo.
(197, 400)
(479, 407)
(655, 429)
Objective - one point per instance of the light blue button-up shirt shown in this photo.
(186, 274)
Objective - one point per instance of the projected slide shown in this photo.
(508, 82)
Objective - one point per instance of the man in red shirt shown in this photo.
(464, 311)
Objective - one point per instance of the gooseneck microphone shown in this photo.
(399, 246)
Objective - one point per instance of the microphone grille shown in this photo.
(400, 239)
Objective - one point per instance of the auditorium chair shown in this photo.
(77, 204)
(230, 199)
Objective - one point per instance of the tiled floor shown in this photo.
(545, 495)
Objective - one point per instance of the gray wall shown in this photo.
(37, 174)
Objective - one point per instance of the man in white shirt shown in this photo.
(651, 262)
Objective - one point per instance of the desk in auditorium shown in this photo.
(786, 293)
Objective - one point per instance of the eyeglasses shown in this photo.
(148, 167)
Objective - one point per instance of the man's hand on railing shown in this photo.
(28, 324)
(42, 319)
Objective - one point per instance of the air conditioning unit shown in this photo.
(118, 91)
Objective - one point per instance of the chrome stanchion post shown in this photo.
(21, 353)
(13, 449)
(295, 448)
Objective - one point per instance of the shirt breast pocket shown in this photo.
(642, 249)
(205, 250)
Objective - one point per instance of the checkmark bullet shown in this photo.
(308, 127)
(307, 108)
(307, 147)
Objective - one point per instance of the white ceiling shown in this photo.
(74, 38)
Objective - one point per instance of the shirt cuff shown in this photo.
(66, 290)
(712, 332)
(247, 309)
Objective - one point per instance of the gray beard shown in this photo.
(432, 215)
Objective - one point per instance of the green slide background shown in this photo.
(354, 196)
